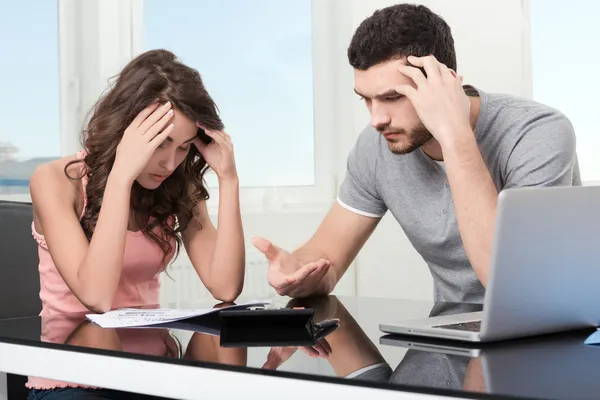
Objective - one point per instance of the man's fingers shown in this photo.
(267, 248)
(279, 281)
(447, 74)
(310, 351)
(318, 275)
(321, 350)
(308, 275)
(413, 73)
(273, 360)
(407, 91)
(305, 271)
(325, 345)
(429, 63)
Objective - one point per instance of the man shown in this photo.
(436, 155)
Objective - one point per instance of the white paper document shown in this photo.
(135, 317)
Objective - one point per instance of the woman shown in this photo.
(109, 219)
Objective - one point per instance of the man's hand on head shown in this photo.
(438, 98)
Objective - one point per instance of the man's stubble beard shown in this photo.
(409, 142)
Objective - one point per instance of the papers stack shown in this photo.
(135, 317)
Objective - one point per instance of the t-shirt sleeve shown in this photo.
(358, 192)
(545, 155)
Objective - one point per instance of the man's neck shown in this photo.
(433, 149)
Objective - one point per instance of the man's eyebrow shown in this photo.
(387, 93)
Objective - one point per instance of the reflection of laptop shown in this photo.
(544, 270)
(432, 345)
(550, 367)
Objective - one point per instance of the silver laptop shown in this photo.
(544, 270)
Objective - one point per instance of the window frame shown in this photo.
(279, 198)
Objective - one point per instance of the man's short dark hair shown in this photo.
(399, 31)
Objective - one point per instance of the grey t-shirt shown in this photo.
(523, 143)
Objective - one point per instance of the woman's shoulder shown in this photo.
(57, 176)
(57, 170)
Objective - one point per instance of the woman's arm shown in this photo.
(218, 255)
(91, 269)
(88, 334)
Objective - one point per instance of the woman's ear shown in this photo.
(194, 155)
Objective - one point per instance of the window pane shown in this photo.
(255, 58)
(30, 102)
(564, 43)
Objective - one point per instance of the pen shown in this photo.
(327, 324)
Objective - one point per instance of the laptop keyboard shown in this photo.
(473, 326)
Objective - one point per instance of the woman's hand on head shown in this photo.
(218, 154)
(148, 130)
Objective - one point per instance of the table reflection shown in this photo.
(554, 366)
(348, 349)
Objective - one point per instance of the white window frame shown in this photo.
(94, 44)
(98, 37)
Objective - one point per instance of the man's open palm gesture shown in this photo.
(287, 275)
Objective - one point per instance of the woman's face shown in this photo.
(170, 153)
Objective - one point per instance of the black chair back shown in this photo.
(19, 275)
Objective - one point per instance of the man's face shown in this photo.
(392, 114)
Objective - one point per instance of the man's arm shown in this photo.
(475, 198)
(545, 156)
(316, 267)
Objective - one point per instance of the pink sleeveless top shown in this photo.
(139, 284)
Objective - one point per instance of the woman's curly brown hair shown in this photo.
(153, 75)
